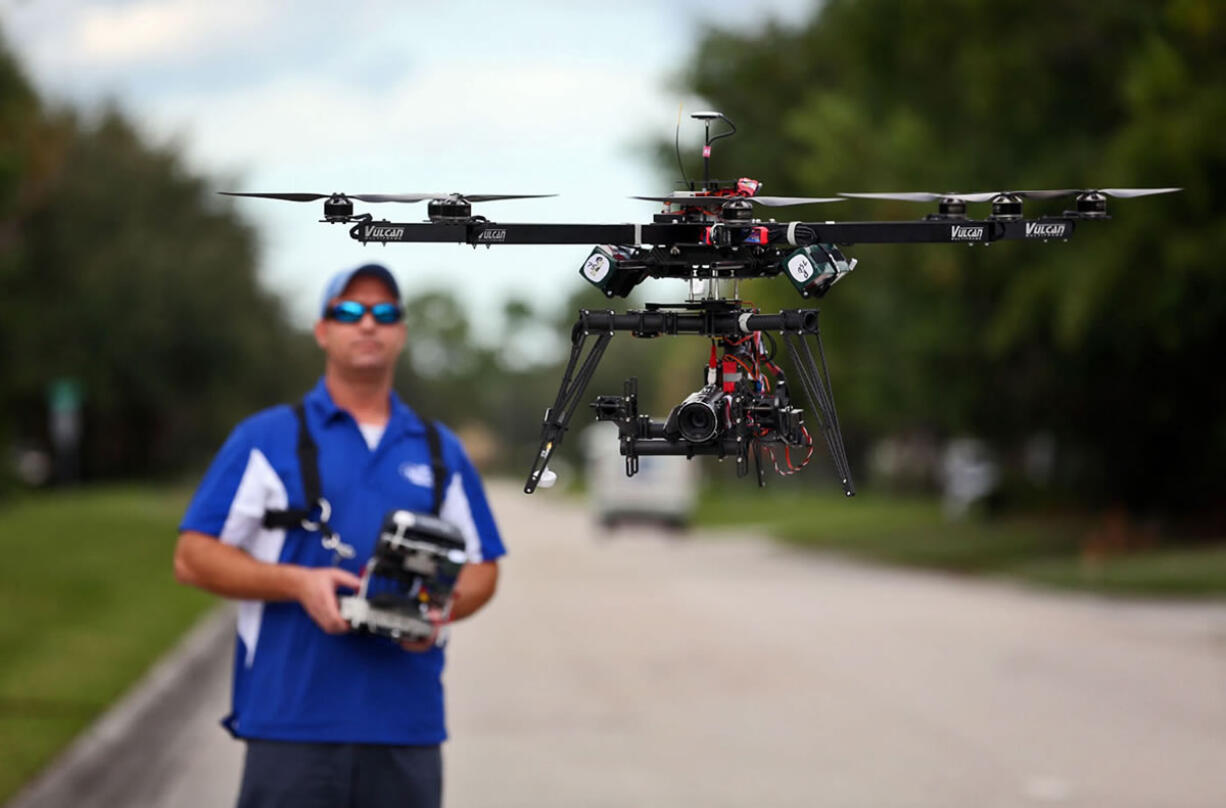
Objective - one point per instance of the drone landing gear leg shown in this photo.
(573, 384)
(821, 398)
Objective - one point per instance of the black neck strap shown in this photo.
(308, 458)
(437, 467)
(312, 486)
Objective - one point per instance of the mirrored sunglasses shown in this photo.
(351, 311)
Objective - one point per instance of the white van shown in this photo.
(664, 490)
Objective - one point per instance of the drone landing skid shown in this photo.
(640, 436)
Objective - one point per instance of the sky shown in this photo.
(397, 97)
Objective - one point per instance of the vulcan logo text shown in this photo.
(1045, 230)
(384, 233)
(961, 232)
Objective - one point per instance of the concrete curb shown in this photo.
(102, 762)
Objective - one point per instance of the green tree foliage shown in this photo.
(1111, 342)
(123, 272)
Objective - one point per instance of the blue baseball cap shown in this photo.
(340, 280)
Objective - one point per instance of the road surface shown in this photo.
(649, 669)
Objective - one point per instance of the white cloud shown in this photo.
(159, 30)
(489, 109)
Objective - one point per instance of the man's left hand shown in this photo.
(437, 620)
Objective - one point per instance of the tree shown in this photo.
(1104, 342)
(124, 273)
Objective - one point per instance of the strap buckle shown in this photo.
(329, 538)
(325, 513)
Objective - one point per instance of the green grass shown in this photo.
(1042, 549)
(1188, 572)
(87, 603)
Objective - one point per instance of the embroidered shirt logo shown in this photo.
(418, 474)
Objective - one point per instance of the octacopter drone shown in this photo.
(708, 234)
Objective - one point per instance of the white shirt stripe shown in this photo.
(457, 511)
(260, 489)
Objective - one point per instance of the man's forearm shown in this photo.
(222, 569)
(474, 588)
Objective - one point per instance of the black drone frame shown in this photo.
(782, 235)
(707, 249)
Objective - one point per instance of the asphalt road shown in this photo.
(648, 669)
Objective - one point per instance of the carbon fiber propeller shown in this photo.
(296, 197)
(988, 196)
(701, 201)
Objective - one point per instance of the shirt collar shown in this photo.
(401, 417)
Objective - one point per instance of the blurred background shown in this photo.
(1049, 412)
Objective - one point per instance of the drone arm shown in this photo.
(557, 417)
(653, 323)
(821, 399)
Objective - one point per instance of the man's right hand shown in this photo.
(317, 593)
(214, 566)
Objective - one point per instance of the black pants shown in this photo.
(336, 775)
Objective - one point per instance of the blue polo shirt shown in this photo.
(292, 681)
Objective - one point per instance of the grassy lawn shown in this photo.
(912, 531)
(87, 603)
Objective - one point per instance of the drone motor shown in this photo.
(338, 207)
(1007, 207)
(449, 209)
(737, 209)
(951, 207)
(1092, 205)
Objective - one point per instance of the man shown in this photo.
(333, 718)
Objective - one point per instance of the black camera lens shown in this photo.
(697, 422)
(697, 419)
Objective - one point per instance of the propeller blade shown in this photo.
(424, 197)
(496, 197)
(699, 201)
(286, 197)
(903, 196)
(984, 196)
(782, 201)
(1045, 194)
(396, 197)
(1122, 193)
(988, 196)
(1128, 193)
(389, 197)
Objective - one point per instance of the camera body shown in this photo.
(412, 571)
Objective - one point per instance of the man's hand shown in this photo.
(222, 569)
(437, 620)
(316, 591)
